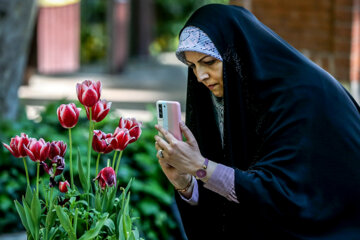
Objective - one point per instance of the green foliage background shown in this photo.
(151, 193)
(170, 16)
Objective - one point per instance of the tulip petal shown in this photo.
(90, 97)
(15, 154)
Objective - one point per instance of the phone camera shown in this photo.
(160, 111)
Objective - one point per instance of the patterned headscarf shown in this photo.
(194, 39)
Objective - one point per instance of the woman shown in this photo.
(279, 135)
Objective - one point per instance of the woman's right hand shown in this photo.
(178, 179)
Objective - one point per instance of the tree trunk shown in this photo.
(17, 19)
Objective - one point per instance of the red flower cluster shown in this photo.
(40, 151)
(88, 93)
(129, 131)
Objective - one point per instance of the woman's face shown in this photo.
(208, 70)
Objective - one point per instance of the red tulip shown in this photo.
(101, 142)
(106, 177)
(38, 150)
(121, 138)
(68, 115)
(63, 186)
(57, 148)
(88, 92)
(133, 126)
(59, 166)
(17, 145)
(99, 111)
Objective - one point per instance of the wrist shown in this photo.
(187, 186)
(205, 171)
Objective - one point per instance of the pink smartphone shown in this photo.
(169, 116)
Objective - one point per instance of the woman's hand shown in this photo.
(185, 157)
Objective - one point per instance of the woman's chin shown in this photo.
(217, 94)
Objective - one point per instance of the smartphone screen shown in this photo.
(169, 116)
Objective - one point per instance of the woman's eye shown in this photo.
(209, 62)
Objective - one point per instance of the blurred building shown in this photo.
(326, 31)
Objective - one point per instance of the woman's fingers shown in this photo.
(167, 135)
(187, 133)
(161, 143)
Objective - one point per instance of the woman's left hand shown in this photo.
(184, 156)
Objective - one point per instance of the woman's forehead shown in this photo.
(193, 56)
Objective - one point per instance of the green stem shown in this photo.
(37, 178)
(26, 172)
(118, 162)
(97, 164)
(51, 196)
(114, 159)
(71, 168)
(89, 155)
(75, 220)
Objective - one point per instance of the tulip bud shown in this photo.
(121, 138)
(38, 150)
(88, 92)
(63, 186)
(106, 177)
(101, 142)
(57, 148)
(17, 145)
(99, 111)
(68, 115)
(133, 126)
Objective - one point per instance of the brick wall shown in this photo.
(321, 29)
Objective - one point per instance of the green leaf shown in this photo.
(82, 177)
(22, 215)
(52, 233)
(98, 201)
(50, 220)
(28, 195)
(111, 199)
(65, 222)
(92, 233)
(110, 225)
(36, 212)
(29, 219)
(122, 228)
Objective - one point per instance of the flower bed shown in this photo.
(88, 211)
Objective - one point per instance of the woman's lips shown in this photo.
(212, 86)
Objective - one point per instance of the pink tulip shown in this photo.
(101, 142)
(106, 177)
(88, 92)
(68, 115)
(38, 150)
(63, 186)
(99, 111)
(57, 148)
(17, 145)
(133, 126)
(121, 138)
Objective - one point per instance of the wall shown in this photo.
(321, 29)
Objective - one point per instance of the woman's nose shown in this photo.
(202, 75)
